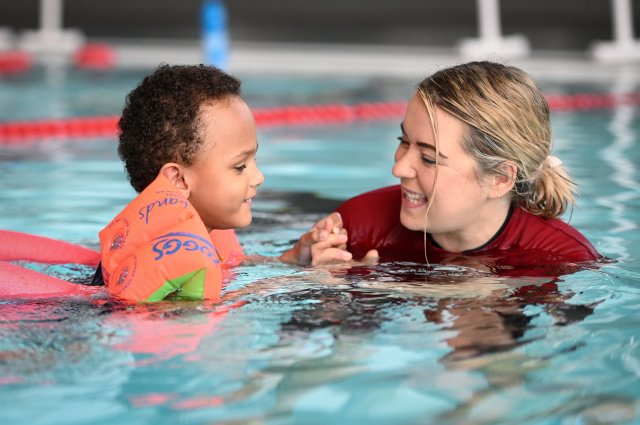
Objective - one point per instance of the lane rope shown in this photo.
(17, 132)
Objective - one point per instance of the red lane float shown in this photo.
(91, 56)
(15, 62)
(328, 114)
(95, 56)
(106, 126)
(71, 128)
(585, 101)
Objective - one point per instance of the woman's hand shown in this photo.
(325, 242)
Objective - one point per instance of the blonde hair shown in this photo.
(508, 120)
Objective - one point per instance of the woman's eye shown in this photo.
(402, 141)
(428, 161)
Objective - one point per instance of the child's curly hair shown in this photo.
(160, 119)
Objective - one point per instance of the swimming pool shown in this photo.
(393, 343)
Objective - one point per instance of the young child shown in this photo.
(188, 142)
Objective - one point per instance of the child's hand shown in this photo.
(324, 243)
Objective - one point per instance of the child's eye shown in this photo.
(240, 168)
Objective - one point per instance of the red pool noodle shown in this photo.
(22, 283)
(18, 246)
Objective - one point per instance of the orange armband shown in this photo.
(228, 247)
(159, 248)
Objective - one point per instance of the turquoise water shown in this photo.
(389, 343)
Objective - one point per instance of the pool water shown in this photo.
(389, 343)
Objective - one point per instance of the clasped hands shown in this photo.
(324, 243)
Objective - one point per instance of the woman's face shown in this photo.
(460, 216)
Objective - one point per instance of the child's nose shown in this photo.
(258, 178)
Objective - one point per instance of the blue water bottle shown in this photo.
(215, 39)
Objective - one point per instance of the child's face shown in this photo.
(224, 178)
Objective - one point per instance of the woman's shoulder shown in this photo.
(552, 236)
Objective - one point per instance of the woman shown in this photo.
(477, 181)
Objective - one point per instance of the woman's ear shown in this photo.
(504, 179)
(175, 174)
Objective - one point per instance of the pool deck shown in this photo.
(368, 60)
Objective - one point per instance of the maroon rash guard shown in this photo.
(372, 220)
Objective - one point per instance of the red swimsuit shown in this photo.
(373, 222)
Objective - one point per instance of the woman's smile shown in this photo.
(412, 199)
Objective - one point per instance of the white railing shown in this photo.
(491, 40)
(624, 47)
(52, 38)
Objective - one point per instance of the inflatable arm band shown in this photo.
(158, 247)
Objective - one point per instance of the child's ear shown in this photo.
(175, 174)
(504, 181)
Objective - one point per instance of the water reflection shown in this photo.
(487, 312)
(619, 156)
(470, 320)
(435, 341)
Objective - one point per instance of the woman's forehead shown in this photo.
(417, 123)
